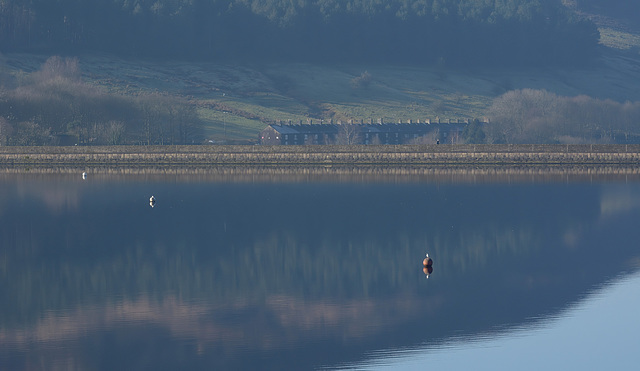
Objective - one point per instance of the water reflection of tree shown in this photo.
(289, 281)
(280, 263)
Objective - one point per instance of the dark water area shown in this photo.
(301, 275)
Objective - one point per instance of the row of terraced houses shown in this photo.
(363, 133)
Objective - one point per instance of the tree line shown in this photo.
(539, 116)
(54, 106)
(455, 32)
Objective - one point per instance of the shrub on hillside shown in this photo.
(55, 100)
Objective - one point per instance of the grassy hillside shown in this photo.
(236, 102)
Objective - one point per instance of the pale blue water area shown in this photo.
(601, 331)
(241, 272)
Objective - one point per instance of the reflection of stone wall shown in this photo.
(349, 173)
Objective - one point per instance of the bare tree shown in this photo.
(28, 133)
(167, 119)
(57, 68)
(184, 122)
(151, 107)
(113, 133)
(537, 116)
(629, 117)
(515, 114)
(5, 131)
(349, 134)
(56, 98)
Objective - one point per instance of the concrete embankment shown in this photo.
(403, 155)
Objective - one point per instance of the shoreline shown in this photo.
(424, 163)
(279, 156)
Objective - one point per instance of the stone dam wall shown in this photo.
(274, 156)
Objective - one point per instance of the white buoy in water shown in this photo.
(152, 201)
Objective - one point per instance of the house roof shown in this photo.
(366, 128)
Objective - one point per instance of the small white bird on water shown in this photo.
(152, 201)
(84, 175)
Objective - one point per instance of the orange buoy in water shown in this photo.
(427, 262)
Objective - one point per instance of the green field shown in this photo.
(236, 102)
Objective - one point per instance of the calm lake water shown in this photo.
(277, 274)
